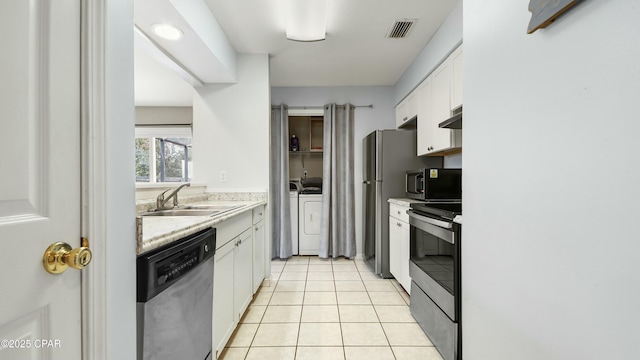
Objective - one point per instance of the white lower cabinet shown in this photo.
(233, 276)
(259, 246)
(224, 318)
(399, 250)
(243, 273)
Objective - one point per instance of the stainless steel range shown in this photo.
(434, 269)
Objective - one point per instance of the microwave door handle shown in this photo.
(420, 184)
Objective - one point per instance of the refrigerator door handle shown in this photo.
(367, 182)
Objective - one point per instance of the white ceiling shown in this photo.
(355, 52)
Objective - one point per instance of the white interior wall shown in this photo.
(164, 115)
(120, 185)
(551, 195)
(231, 129)
(381, 116)
(441, 44)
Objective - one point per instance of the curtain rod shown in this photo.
(321, 107)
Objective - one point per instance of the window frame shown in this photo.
(152, 132)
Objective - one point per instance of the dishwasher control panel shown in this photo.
(160, 268)
(173, 268)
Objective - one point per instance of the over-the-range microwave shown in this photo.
(434, 184)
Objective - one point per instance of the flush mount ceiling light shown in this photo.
(167, 31)
(306, 19)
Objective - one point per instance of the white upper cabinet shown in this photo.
(438, 95)
(407, 109)
(440, 139)
(425, 116)
(456, 84)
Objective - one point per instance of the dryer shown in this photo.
(310, 209)
(293, 201)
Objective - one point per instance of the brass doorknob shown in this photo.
(59, 256)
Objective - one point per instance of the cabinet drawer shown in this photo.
(230, 228)
(258, 214)
(399, 212)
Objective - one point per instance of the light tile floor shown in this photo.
(319, 309)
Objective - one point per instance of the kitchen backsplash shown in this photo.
(453, 161)
(238, 196)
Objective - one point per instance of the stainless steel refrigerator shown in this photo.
(388, 154)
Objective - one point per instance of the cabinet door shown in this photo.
(411, 109)
(224, 316)
(425, 117)
(400, 113)
(438, 138)
(395, 249)
(403, 234)
(407, 109)
(456, 83)
(258, 255)
(243, 273)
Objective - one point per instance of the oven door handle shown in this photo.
(439, 228)
(444, 224)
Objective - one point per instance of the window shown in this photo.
(163, 154)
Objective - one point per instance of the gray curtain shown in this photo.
(279, 184)
(337, 234)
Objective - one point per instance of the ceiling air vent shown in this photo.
(401, 28)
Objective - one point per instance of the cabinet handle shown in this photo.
(404, 119)
(398, 212)
(260, 214)
(398, 224)
(256, 228)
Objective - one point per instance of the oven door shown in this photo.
(435, 260)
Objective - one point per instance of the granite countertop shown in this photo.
(155, 231)
(402, 201)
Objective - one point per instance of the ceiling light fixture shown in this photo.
(306, 19)
(167, 31)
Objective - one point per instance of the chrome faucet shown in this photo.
(161, 201)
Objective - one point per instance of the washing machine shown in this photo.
(293, 201)
(310, 209)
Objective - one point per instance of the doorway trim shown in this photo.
(94, 191)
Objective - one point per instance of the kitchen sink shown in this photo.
(193, 210)
(211, 207)
(181, 212)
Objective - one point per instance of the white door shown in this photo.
(395, 249)
(223, 291)
(258, 255)
(40, 181)
(243, 273)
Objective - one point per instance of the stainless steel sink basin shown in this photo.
(193, 210)
(181, 212)
(211, 207)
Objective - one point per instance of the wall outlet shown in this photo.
(223, 176)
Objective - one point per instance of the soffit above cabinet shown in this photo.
(203, 52)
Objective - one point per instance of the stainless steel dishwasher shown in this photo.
(175, 299)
